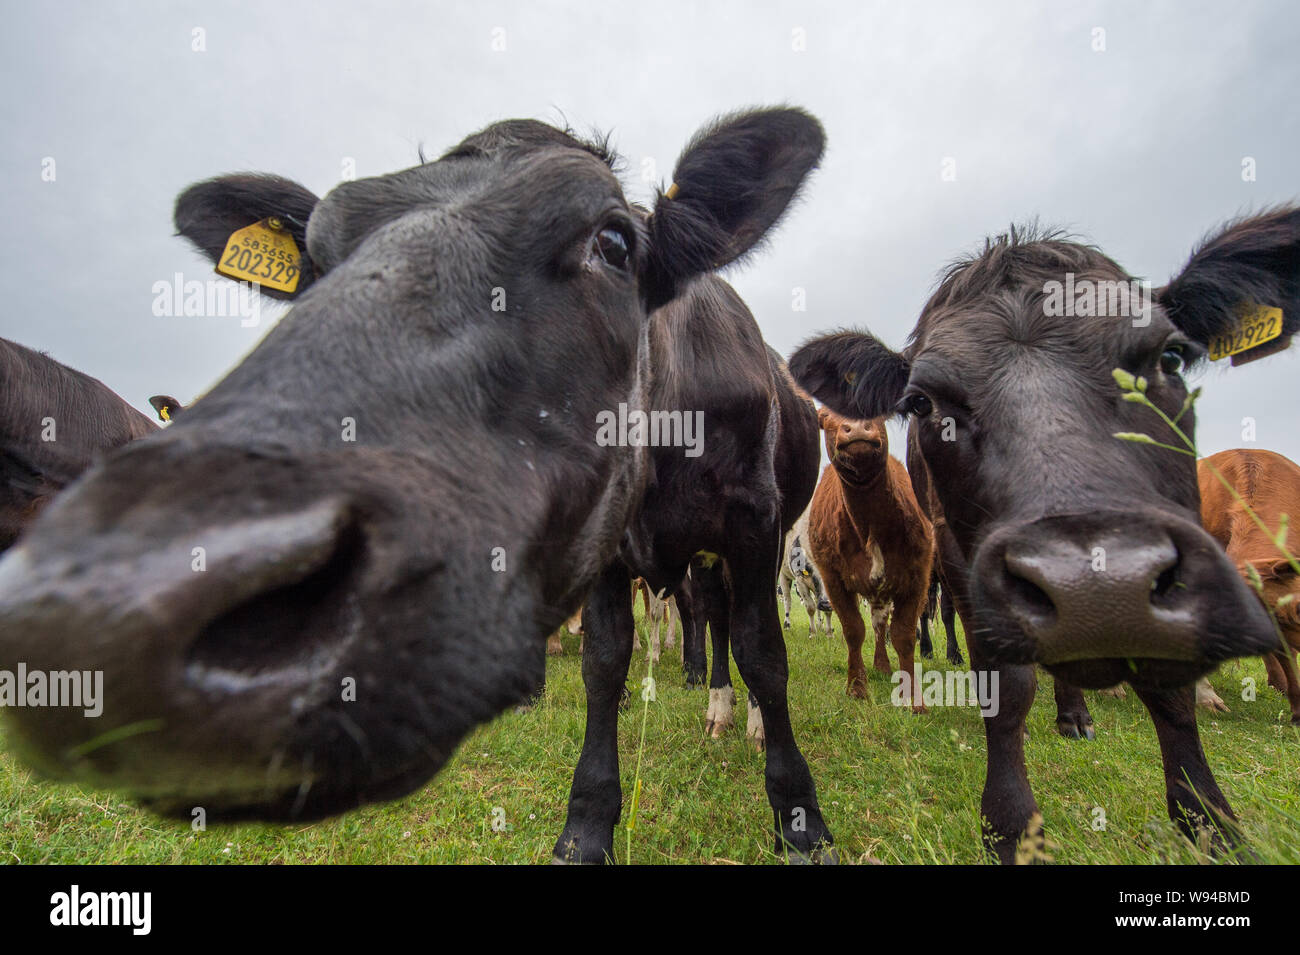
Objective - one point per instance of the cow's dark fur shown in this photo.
(1032, 482)
(87, 419)
(336, 648)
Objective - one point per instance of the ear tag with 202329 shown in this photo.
(263, 252)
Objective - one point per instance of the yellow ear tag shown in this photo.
(1255, 325)
(165, 413)
(263, 252)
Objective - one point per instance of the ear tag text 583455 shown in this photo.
(263, 252)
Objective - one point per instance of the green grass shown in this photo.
(893, 786)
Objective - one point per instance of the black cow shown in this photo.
(732, 497)
(1066, 545)
(53, 422)
(417, 440)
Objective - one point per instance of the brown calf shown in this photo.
(1270, 485)
(869, 537)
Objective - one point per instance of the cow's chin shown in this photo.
(858, 470)
(307, 799)
(1138, 672)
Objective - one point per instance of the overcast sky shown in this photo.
(1137, 147)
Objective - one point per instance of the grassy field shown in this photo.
(894, 787)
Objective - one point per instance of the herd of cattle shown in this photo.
(425, 559)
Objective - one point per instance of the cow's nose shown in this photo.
(1048, 578)
(177, 628)
(1107, 586)
(869, 433)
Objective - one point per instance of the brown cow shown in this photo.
(1269, 484)
(53, 421)
(870, 537)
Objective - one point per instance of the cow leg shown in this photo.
(759, 649)
(949, 615)
(670, 616)
(880, 613)
(804, 590)
(1073, 721)
(1191, 794)
(554, 645)
(722, 697)
(595, 797)
(1007, 804)
(927, 614)
(902, 634)
(845, 605)
(783, 588)
(1277, 676)
(654, 622)
(1284, 662)
(694, 659)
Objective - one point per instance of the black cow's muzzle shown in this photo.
(1125, 586)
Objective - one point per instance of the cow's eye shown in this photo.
(612, 245)
(916, 404)
(1172, 360)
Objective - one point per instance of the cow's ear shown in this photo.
(1255, 261)
(731, 185)
(209, 212)
(853, 373)
(166, 406)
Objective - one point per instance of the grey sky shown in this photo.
(1138, 148)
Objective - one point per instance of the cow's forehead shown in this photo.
(512, 166)
(523, 135)
(975, 350)
(1035, 300)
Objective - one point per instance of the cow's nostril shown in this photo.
(1029, 596)
(290, 626)
(1166, 585)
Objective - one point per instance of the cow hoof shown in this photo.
(919, 708)
(857, 690)
(1070, 729)
(719, 717)
(567, 852)
(883, 668)
(956, 660)
(787, 624)
(1115, 692)
(694, 678)
(822, 855)
(625, 699)
(1207, 698)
